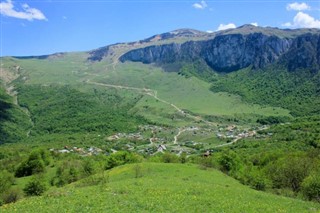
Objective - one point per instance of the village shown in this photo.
(152, 139)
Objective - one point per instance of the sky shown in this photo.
(41, 27)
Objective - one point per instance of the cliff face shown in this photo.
(227, 53)
(303, 53)
(168, 53)
(233, 52)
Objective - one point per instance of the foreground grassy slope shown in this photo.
(160, 188)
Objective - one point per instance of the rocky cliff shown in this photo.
(233, 51)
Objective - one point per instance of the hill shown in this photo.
(159, 187)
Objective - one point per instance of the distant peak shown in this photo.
(186, 31)
(248, 26)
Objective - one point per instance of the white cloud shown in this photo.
(255, 24)
(210, 31)
(7, 9)
(287, 24)
(298, 6)
(226, 26)
(201, 5)
(303, 20)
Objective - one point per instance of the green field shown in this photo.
(191, 93)
(156, 187)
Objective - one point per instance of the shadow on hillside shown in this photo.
(4, 116)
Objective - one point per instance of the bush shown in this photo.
(208, 162)
(311, 187)
(170, 158)
(256, 179)
(121, 158)
(6, 180)
(11, 195)
(289, 172)
(183, 157)
(229, 163)
(35, 163)
(89, 166)
(67, 172)
(35, 187)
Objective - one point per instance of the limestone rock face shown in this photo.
(231, 52)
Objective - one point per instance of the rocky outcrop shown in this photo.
(98, 54)
(303, 53)
(230, 52)
(163, 54)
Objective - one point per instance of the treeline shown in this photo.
(297, 91)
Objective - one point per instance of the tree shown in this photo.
(35, 164)
(35, 187)
(229, 162)
(289, 171)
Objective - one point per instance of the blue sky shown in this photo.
(40, 27)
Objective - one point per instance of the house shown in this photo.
(206, 154)
(161, 148)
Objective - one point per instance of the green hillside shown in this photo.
(297, 91)
(156, 187)
(14, 122)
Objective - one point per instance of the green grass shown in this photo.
(65, 69)
(161, 188)
(191, 93)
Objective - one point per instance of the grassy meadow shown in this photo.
(157, 187)
(191, 93)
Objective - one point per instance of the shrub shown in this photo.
(183, 157)
(229, 162)
(89, 166)
(35, 187)
(289, 172)
(67, 172)
(256, 179)
(121, 158)
(170, 158)
(6, 180)
(12, 195)
(35, 163)
(207, 162)
(311, 187)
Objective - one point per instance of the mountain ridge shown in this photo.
(227, 52)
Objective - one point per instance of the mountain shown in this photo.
(268, 66)
(245, 101)
(239, 48)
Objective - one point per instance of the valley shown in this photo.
(159, 106)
